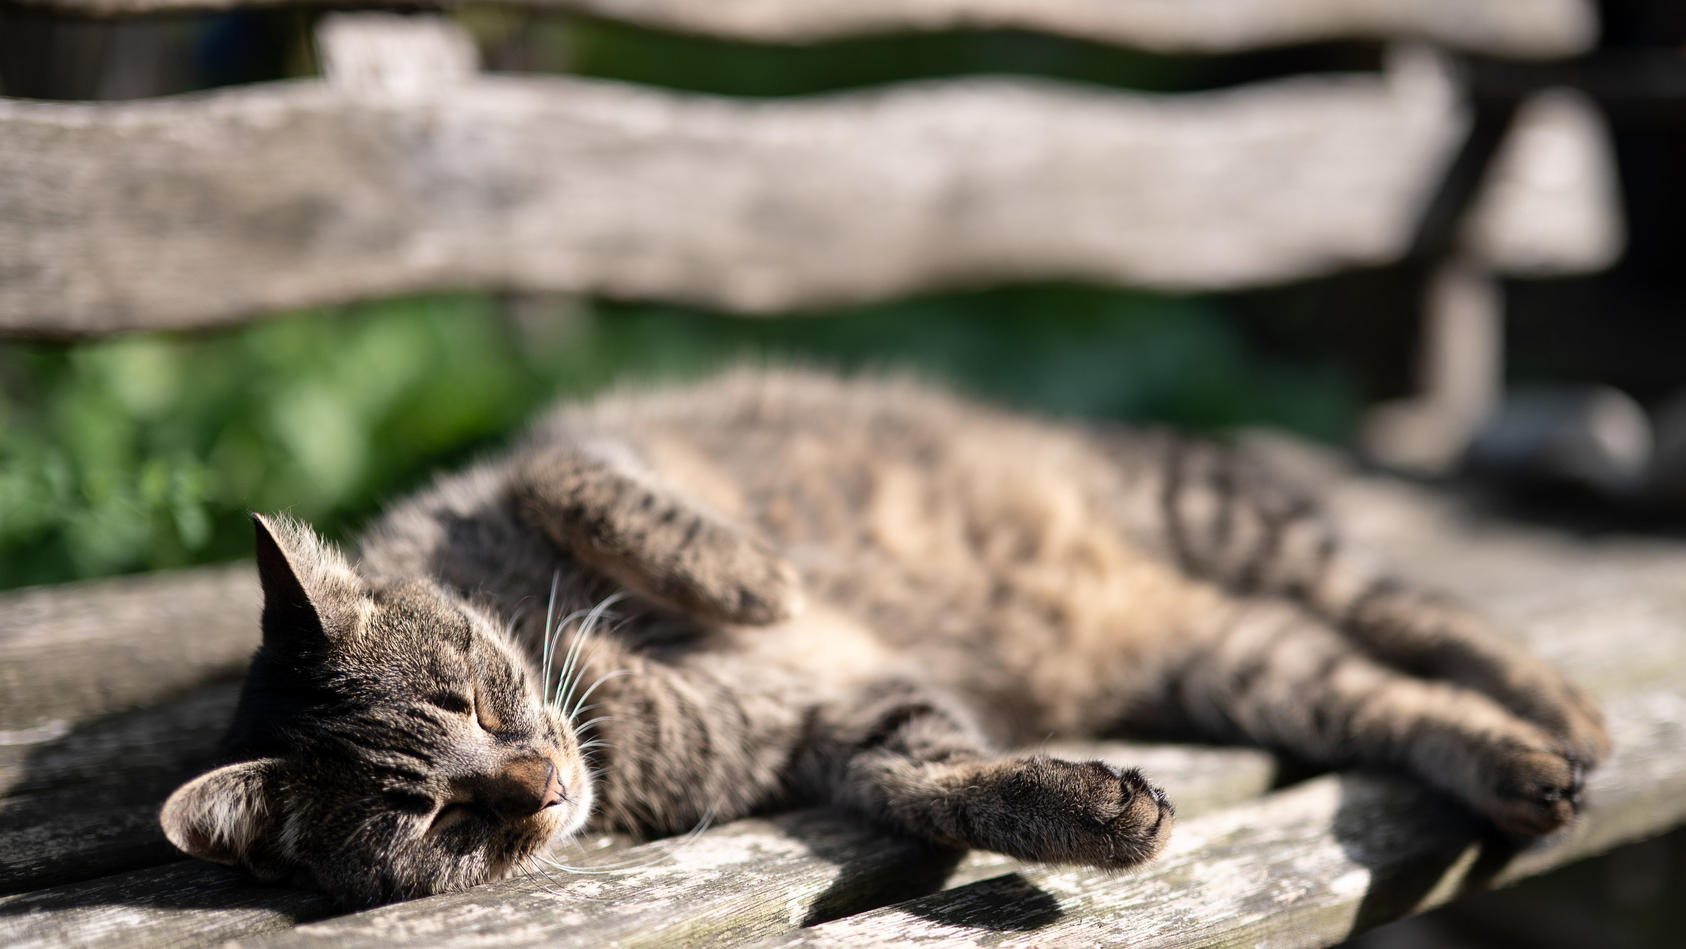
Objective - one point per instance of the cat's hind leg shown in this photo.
(1276, 675)
(1433, 635)
(906, 758)
(1223, 516)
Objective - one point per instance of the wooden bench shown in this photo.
(404, 169)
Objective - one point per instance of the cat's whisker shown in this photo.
(661, 850)
(587, 627)
(613, 674)
(573, 647)
(513, 624)
(573, 653)
(575, 673)
(582, 726)
(549, 638)
(572, 662)
(532, 866)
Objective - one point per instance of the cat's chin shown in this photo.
(562, 826)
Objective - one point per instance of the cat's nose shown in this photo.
(523, 786)
(553, 793)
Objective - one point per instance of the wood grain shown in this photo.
(168, 738)
(307, 193)
(72, 653)
(1527, 28)
(186, 903)
(85, 804)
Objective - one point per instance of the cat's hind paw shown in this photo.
(1532, 793)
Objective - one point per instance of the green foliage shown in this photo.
(142, 452)
(145, 452)
(704, 64)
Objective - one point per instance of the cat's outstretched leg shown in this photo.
(1223, 516)
(601, 506)
(723, 737)
(1276, 675)
(911, 761)
(1423, 632)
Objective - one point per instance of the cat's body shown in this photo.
(855, 593)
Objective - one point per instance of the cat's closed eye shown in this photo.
(475, 707)
(451, 702)
(449, 816)
(486, 716)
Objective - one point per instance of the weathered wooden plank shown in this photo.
(184, 904)
(1529, 28)
(85, 804)
(72, 653)
(1550, 197)
(823, 866)
(171, 739)
(1305, 867)
(305, 193)
(69, 835)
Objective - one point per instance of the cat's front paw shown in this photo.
(1055, 811)
(751, 583)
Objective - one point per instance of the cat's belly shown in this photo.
(1065, 643)
(1006, 575)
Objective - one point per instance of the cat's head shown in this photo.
(391, 740)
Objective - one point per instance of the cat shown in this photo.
(782, 588)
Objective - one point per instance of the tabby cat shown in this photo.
(848, 592)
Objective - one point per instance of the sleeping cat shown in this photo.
(805, 589)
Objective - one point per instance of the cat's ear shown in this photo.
(311, 596)
(221, 815)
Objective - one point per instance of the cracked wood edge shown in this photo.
(1522, 28)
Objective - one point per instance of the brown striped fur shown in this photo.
(856, 592)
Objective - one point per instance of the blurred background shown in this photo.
(144, 451)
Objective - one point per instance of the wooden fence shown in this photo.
(405, 169)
